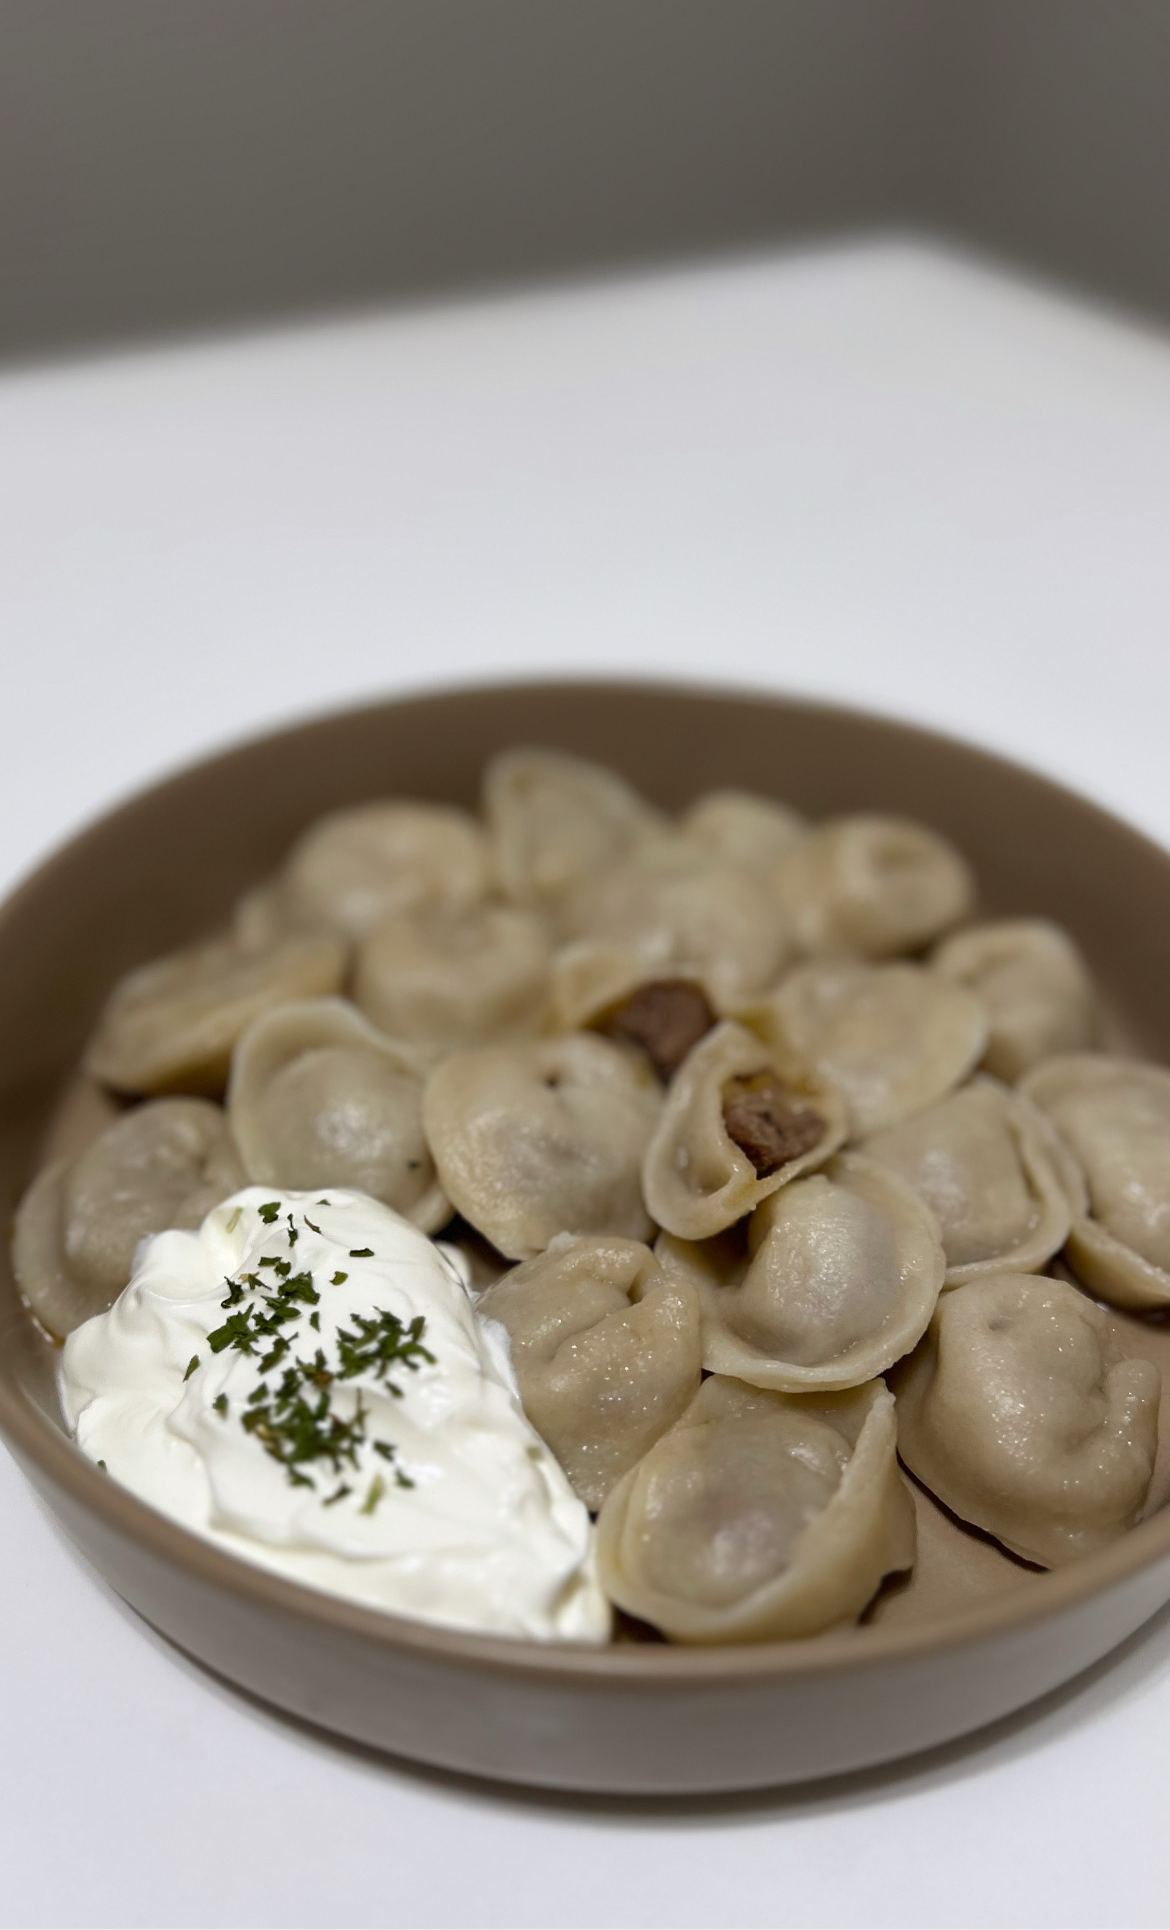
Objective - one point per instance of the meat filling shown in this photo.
(768, 1121)
(665, 1018)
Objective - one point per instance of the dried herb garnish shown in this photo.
(297, 1421)
(361, 1252)
(269, 1211)
(192, 1364)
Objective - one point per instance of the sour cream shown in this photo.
(399, 1473)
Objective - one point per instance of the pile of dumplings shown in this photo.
(775, 1166)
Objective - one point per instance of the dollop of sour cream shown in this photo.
(304, 1381)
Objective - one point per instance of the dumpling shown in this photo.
(1034, 985)
(453, 978)
(171, 1025)
(732, 1130)
(759, 1516)
(318, 1097)
(890, 1038)
(1019, 1412)
(986, 1164)
(742, 829)
(165, 1164)
(554, 818)
(605, 1350)
(678, 909)
(611, 990)
(870, 887)
(543, 1137)
(838, 1279)
(1115, 1116)
(352, 870)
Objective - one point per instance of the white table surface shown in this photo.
(873, 472)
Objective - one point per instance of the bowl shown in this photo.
(973, 1636)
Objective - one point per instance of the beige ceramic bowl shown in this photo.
(974, 1635)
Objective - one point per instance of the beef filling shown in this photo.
(769, 1122)
(665, 1018)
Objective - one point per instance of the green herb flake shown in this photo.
(293, 1235)
(311, 1224)
(234, 1219)
(361, 1252)
(339, 1279)
(339, 1494)
(374, 1493)
(192, 1364)
(268, 1212)
(220, 1405)
(103, 1467)
(315, 1322)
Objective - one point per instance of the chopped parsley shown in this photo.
(361, 1252)
(297, 1418)
(234, 1219)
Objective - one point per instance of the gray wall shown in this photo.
(174, 164)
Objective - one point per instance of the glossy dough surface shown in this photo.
(871, 886)
(452, 978)
(1034, 985)
(1114, 1116)
(983, 1161)
(890, 1038)
(759, 1516)
(319, 1097)
(166, 1164)
(545, 1137)
(1020, 1413)
(836, 1280)
(606, 1352)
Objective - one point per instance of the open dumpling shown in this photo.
(1020, 1413)
(609, 989)
(759, 1516)
(890, 1038)
(870, 887)
(986, 1164)
(166, 1164)
(553, 819)
(733, 1130)
(1115, 1116)
(1034, 985)
(837, 1279)
(606, 1353)
(318, 1097)
(677, 908)
(171, 1025)
(544, 1137)
(352, 870)
(454, 978)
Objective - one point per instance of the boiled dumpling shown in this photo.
(543, 1137)
(171, 1025)
(985, 1163)
(352, 870)
(1115, 1116)
(453, 978)
(611, 990)
(837, 1280)
(1034, 985)
(870, 886)
(890, 1038)
(1019, 1412)
(605, 1350)
(740, 828)
(759, 1516)
(318, 1097)
(679, 909)
(733, 1130)
(165, 1164)
(554, 818)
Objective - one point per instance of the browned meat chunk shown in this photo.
(768, 1121)
(665, 1018)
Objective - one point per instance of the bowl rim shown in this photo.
(56, 1457)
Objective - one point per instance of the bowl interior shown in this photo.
(167, 867)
